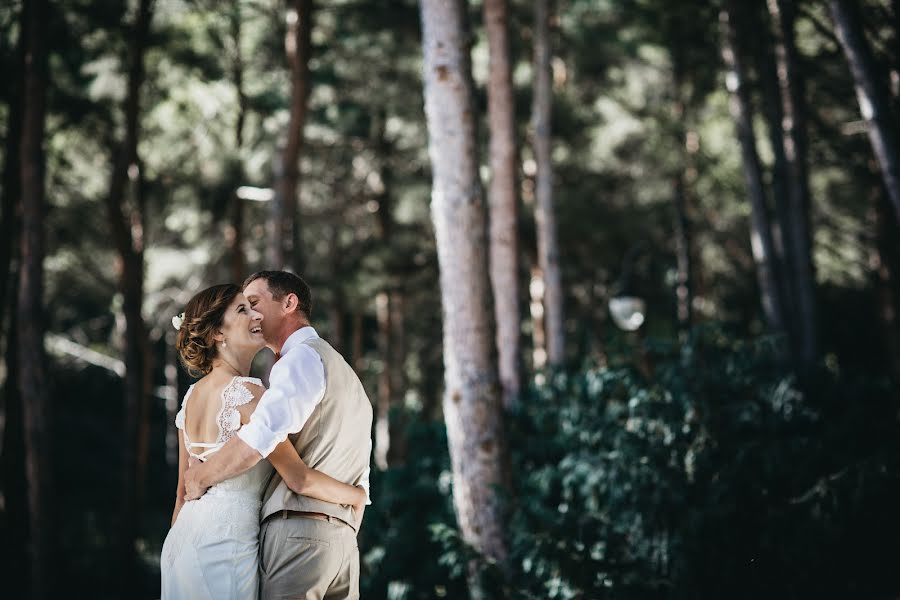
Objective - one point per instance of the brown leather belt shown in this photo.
(286, 514)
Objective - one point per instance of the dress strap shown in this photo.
(235, 394)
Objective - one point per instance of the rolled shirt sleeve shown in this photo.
(296, 386)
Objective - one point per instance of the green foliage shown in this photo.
(722, 477)
(410, 547)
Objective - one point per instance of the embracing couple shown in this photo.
(243, 526)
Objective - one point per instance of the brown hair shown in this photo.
(281, 283)
(203, 317)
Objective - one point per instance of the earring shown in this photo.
(224, 343)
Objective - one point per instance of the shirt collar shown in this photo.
(297, 338)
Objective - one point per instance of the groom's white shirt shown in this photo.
(296, 386)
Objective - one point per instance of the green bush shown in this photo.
(718, 475)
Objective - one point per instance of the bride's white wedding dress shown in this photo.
(212, 550)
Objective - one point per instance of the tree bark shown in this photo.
(872, 96)
(284, 248)
(885, 262)
(766, 68)
(683, 231)
(760, 229)
(235, 236)
(356, 344)
(15, 488)
(397, 451)
(126, 224)
(545, 212)
(503, 200)
(383, 404)
(472, 399)
(801, 268)
(10, 207)
(32, 372)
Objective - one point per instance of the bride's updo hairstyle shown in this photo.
(203, 317)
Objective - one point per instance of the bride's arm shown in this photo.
(182, 467)
(309, 482)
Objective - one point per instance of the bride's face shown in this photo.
(241, 326)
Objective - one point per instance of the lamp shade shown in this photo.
(628, 312)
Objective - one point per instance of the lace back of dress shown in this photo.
(228, 419)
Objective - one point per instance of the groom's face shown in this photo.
(261, 300)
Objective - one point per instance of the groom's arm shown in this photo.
(231, 460)
(297, 385)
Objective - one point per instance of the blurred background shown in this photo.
(682, 224)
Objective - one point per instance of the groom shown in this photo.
(307, 547)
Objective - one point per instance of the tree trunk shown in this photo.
(32, 372)
(10, 208)
(885, 261)
(801, 268)
(383, 404)
(536, 310)
(285, 228)
(503, 201)
(545, 213)
(873, 97)
(398, 449)
(235, 236)
(766, 68)
(471, 397)
(760, 232)
(15, 489)
(126, 224)
(356, 345)
(684, 286)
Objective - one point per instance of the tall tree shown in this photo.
(872, 95)
(125, 210)
(235, 232)
(800, 267)
(385, 392)
(10, 208)
(389, 435)
(284, 232)
(503, 201)
(12, 454)
(545, 213)
(761, 241)
(32, 371)
(471, 403)
(761, 46)
(684, 291)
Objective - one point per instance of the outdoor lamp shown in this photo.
(628, 312)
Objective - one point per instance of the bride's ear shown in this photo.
(219, 336)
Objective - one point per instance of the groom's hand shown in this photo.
(193, 486)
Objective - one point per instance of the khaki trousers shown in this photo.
(306, 559)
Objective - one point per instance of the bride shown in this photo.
(211, 551)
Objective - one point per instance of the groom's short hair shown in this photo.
(282, 283)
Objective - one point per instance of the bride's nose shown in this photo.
(255, 316)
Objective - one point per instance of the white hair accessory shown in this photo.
(177, 320)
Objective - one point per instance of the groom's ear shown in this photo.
(291, 302)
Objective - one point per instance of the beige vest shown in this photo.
(335, 440)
